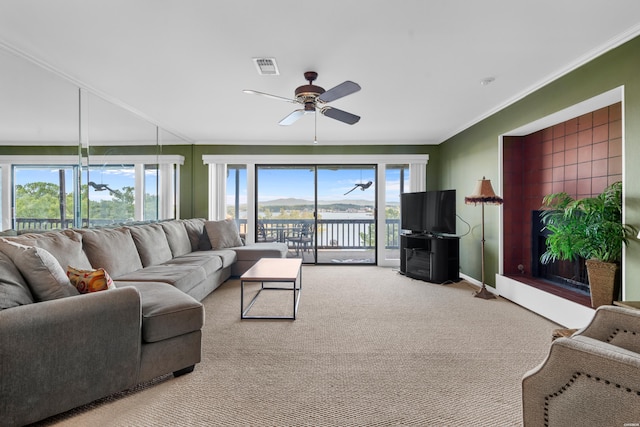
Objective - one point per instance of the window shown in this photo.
(151, 209)
(110, 196)
(397, 182)
(43, 197)
(56, 192)
(220, 193)
(236, 195)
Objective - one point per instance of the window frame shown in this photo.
(218, 174)
(168, 178)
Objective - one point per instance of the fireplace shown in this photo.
(570, 275)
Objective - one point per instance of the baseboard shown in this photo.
(478, 283)
(559, 310)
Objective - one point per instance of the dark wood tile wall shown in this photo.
(580, 157)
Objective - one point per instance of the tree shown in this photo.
(369, 238)
(120, 207)
(42, 200)
(392, 212)
(37, 200)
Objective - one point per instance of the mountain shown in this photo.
(302, 202)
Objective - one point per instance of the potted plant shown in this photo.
(591, 228)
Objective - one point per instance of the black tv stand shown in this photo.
(430, 257)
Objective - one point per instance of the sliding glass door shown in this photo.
(286, 208)
(325, 213)
(378, 234)
(346, 214)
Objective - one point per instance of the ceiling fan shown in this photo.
(362, 186)
(314, 98)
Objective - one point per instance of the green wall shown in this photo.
(10, 150)
(474, 152)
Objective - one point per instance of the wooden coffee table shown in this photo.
(273, 270)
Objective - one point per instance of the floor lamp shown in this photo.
(483, 194)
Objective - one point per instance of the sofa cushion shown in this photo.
(208, 262)
(111, 249)
(86, 281)
(166, 312)
(152, 244)
(197, 234)
(177, 237)
(223, 234)
(256, 251)
(183, 277)
(14, 290)
(228, 256)
(65, 246)
(46, 278)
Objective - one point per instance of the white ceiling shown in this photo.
(182, 64)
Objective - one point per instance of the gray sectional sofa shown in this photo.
(60, 349)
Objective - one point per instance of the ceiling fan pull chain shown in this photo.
(315, 127)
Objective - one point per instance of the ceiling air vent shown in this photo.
(266, 66)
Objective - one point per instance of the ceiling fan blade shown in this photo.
(268, 95)
(343, 89)
(292, 118)
(340, 115)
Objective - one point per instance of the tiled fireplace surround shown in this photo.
(580, 156)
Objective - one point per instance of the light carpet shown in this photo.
(370, 347)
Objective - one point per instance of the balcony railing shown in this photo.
(331, 233)
(41, 224)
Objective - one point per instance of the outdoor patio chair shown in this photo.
(303, 239)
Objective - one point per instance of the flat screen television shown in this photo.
(430, 212)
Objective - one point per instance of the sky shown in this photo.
(286, 182)
(114, 177)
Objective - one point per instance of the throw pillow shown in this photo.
(111, 249)
(223, 234)
(47, 280)
(177, 237)
(152, 244)
(14, 290)
(197, 234)
(87, 281)
(65, 246)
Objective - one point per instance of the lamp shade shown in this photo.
(483, 193)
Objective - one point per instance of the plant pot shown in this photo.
(602, 282)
